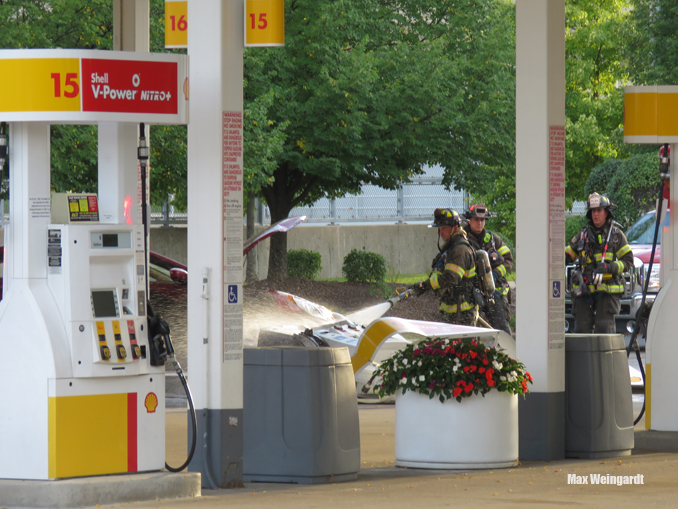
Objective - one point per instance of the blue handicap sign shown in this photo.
(232, 294)
(556, 289)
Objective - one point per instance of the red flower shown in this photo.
(481, 370)
(524, 386)
(432, 384)
(490, 382)
(404, 375)
(416, 352)
(473, 354)
(467, 369)
(456, 392)
(468, 388)
(528, 376)
(473, 368)
(460, 382)
(485, 361)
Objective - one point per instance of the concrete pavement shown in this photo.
(381, 484)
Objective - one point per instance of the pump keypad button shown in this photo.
(105, 353)
(122, 353)
(102, 338)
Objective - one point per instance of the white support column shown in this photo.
(540, 219)
(118, 190)
(29, 203)
(215, 204)
(118, 141)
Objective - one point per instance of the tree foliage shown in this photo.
(595, 76)
(635, 187)
(600, 176)
(374, 90)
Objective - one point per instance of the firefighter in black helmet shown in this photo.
(454, 270)
(603, 255)
(501, 261)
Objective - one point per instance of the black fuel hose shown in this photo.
(194, 420)
(633, 343)
(163, 327)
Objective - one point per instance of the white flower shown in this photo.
(419, 363)
(422, 378)
(414, 380)
(497, 365)
(502, 378)
(403, 381)
(405, 362)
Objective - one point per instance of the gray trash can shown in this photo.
(598, 404)
(300, 415)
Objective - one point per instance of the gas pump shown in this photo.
(83, 389)
(651, 116)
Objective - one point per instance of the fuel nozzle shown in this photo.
(4, 146)
(142, 150)
(664, 161)
(4, 149)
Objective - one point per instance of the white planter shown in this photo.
(479, 432)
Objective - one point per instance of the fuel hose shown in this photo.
(641, 315)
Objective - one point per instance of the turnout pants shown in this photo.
(595, 313)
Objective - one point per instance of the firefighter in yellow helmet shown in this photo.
(454, 270)
(501, 260)
(602, 254)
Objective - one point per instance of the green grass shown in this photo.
(405, 279)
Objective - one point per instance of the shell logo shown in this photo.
(151, 402)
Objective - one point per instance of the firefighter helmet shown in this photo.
(478, 210)
(599, 201)
(445, 217)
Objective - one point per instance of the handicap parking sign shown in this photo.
(232, 294)
(556, 289)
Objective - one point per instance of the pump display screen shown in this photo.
(110, 239)
(104, 303)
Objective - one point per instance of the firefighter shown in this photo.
(454, 270)
(501, 260)
(603, 254)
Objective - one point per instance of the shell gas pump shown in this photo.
(84, 379)
(650, 116)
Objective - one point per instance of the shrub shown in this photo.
(364, 267)
(601, 175)
(303, 263)
(574, 225)
(634, 187)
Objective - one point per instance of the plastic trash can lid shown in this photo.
(594, 342)
(295, 356)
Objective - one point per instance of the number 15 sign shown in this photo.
(264, 22)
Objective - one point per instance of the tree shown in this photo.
(374, 90)
(596, 74)
(652, 42)
(635, 187)
(601, 176)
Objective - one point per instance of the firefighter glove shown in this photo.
(607, 268)
(419, 288)
(495, 258)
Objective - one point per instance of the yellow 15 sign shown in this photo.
(264, 23)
